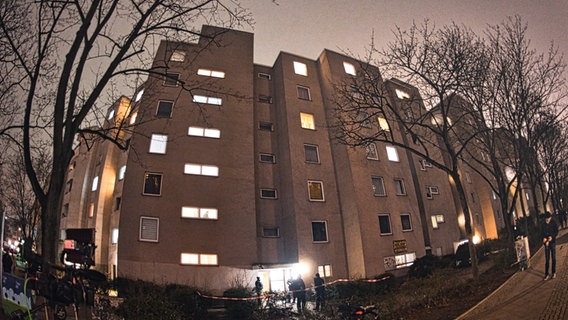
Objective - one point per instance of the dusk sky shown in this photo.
(306, 27)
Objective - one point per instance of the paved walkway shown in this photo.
(526, 295)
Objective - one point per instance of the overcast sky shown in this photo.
(306, 27)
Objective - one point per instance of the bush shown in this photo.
(239, 309)
(424, 266)
(347, 290)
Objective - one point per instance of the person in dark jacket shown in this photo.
(320, 291)
(548, 233)
(299, 287)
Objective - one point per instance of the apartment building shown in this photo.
(232, 172)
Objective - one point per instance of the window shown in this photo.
(68, 186)
(91, 210)
(319, 231)
(383, 124)
(315, 190)
(207, 100)
(204, 132)
(114, 236)
(399, 187)
(121, 173)
(266, 126)
(152, 184)
(311, 153)
(307, 121)
(271, 232)
(349, 68)
(392, 154)
(303, 93)
(198, 259)
(424, 164)
(158, 143)
(264, 99)
(199, 213)
(405, 222)
(267, 158)
(65, 210)
(117, 203)
(171, 79)
(468, 178)
(325, 270)
(211, 73)
(149, 229)
(164, 109)
(264, 76)
(139, 95)
(399, 261)
(268, 194)
(436, 220)
(384, 224)
(201, 170)
(401, 94)
(378, 186)
(178, 56)
(133, 118)
(111, 114)
(363, 119)
(372, 153)
(300, 68)
(434, 190)
(95, 184)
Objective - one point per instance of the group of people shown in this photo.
(298, 289)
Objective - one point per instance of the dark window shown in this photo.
(152, 183)
(303, 93)
(399, 187)
(65, 210)
(171, 79)
(164, 109)
(265, 99)
(271, 232)
(311, 153)
(384, 224)
(268, 158)
(68, 186)
(264, 76)
(266, 126)
(319, 231)
(378, 186)
(406, 223)
(268, 193)
(118, 202)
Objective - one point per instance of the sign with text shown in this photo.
(399, 246)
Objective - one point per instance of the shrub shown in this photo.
(424, 266)
(239, 309)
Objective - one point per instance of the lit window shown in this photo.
(300, 68)
(399, 187)
(325, 270)
(399, 261)
(202, 170)
(349, 68)
(401, 94)
(133, 118)
(266, 126)
(392, 154)
(207, 100)
(164, 109)
(307, 121)
(199, 213)
(95, 184)
(311, 153)
(198, 259)
(436, 220)
(149, 229)
(384, 224)
(378, 186)
(91, 210)
(158, 143)
(383, 124)
(111, 114)
(211, 73)
(177, 56)
(405, 222)
(372, 153)
(303, 92)
(267, 158)
(152, 184)
(171, 79)
(204, 132)
(315, 191)
(114, 236)
(139, 95)
(319, 231)
(271, 232)
(268, 194)
(121, 172)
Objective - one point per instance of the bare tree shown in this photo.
(64, 55)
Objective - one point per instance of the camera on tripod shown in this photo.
(79, 248)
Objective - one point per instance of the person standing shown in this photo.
(548, 233)
(299, 293)
(7, 261)
(320, 291)
(258, 288)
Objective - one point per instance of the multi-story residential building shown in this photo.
(232, 171)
